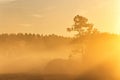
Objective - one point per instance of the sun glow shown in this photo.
(117, 29)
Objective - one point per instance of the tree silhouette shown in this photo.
(82, 26)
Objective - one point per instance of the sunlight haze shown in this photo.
(54, 16)
(59, 39)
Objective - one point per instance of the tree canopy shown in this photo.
(82, 26)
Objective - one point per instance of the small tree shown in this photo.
(82, 26)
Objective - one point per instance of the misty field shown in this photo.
(38, 57)
(56, 40)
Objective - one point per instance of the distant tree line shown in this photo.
(20, 43)
(86, 34)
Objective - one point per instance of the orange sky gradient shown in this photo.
(54, 16)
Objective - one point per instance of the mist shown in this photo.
(28, 56)
(95, 57)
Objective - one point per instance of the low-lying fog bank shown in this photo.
(95, 58)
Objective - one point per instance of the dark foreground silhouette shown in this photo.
(51, 77)
(34, 77)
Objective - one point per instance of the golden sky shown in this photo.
(54, 16)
